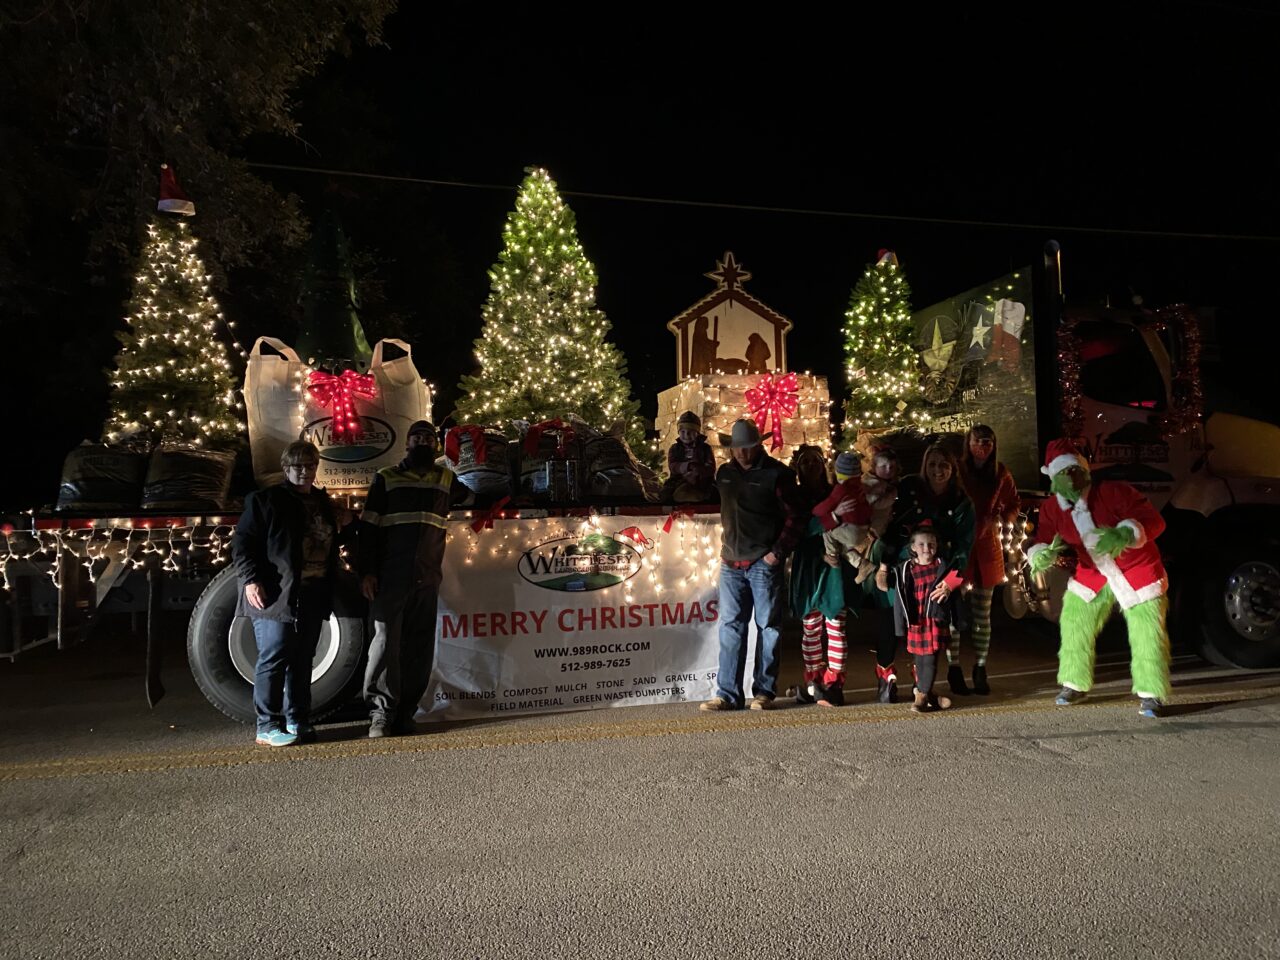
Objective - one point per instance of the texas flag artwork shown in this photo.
(1006, 334)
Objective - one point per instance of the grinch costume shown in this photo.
(1112, 528)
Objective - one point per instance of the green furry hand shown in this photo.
(1113, 541)
(1042, 560)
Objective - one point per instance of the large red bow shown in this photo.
(338, 395)
(453, 442)
(534, 437)
(773, 398)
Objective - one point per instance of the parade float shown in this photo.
(567, 585)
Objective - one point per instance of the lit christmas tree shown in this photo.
(542, 351)
(172, 381)
(880, 361)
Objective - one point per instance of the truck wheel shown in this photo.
(1240, 605)
(222, 652)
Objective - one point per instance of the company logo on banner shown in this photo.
(376, 438)
(543, 614)
(581, 563)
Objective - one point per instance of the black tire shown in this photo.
(1238, 594)
(220, 651)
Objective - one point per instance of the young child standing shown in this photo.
(848, 534)
(923, 613)
(691, 464)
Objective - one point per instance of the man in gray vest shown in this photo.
(762, 520)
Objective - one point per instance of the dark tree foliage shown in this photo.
(94, 95)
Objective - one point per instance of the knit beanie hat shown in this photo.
(847, 464)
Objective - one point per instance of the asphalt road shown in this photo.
(1006, 827)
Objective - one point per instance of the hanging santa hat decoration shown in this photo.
(886, 258)
(1060, 455)
(172, 199)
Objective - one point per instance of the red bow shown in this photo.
(534, 437)
(453, 442)
(680, 513)
(338, 394)
(485, 521)
(775, 398)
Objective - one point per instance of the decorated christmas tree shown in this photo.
(172, 380)
(880, 359)
(543, 352)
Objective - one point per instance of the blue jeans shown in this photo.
(758, 586)
(282, 677)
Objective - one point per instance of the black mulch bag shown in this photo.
(188, 479)
(101, 478)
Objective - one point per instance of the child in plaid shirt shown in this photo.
(923, 613)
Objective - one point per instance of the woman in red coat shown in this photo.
(990, 486)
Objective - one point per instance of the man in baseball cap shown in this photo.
(402, 539)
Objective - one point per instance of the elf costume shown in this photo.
(1112, 528)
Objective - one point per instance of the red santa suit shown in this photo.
(1138, 574)
(1135, 579)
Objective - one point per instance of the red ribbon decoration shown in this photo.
(453, 442)
(775, 398)
(533, 438)
(338, 394)
(485, 522)
(680, 513)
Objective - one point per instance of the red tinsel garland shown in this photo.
(1186, 401)
(773, 398)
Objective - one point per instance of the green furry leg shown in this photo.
(1079, 626)
(1149, 648)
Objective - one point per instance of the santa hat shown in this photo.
(886, 257)
(1061, 455)
(172, 199)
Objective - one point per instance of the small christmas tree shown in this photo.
(172, 382)
(880, 360)
(542, 351)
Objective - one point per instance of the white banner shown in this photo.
(553, 614)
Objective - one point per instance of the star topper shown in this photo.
(728, 274)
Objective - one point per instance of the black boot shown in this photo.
(832, 695)
(980, 685)
(885, 690)
(955, 680)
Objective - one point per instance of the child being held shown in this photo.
(691, 464)
(923, 612)
(881, 487)
(846, 517)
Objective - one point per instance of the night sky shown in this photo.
(1139, 139)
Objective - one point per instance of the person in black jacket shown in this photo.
(285, 552)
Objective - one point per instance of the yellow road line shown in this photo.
(471, 738)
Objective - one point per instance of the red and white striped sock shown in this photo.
(835, 648)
